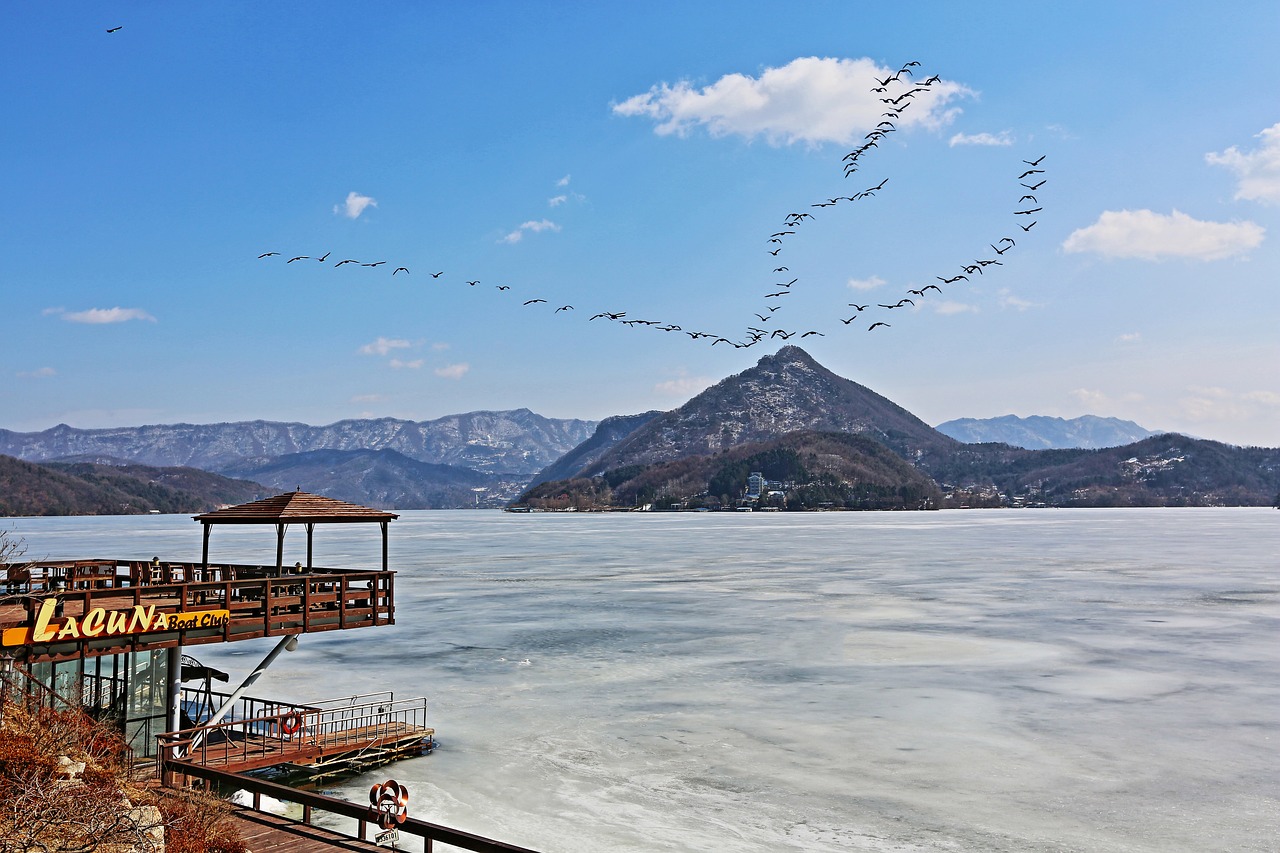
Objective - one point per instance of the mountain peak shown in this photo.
(785, 392)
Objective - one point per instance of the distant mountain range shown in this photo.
(1044, 433)
(512, 444)
(833, 442)
(691, 455)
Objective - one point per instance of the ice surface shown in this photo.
(1054, 680)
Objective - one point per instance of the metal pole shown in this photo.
(288, 643)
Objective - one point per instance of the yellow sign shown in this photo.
(140, 619)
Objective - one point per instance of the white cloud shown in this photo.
(98, 316)
(354, 205)
(563, 182)
(1002, 138)
(382, 346)
(952, 307)
(38, 373)
(453, 371)
(441, 346)
(1130, 337)
(1100, 401)
(397, 364)
(532, 225)
(556, 201)
(684, 386)
(863, 284)
(1008, 300)
(1258, 171)
(369, 398)
(1266, 398)
(810, 99)
(52, 311)
(1154, 236)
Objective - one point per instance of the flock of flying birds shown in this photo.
(896, 91)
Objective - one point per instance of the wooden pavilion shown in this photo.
(296, 507)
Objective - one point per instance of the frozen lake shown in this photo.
(1034, 680)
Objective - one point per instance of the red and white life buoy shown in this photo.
(291, 723)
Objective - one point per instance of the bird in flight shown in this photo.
(267, 255)
(115, 29)
(1034, 187)
(374, 264)
(779, 293)
(1028, 227)
(1035, 162)
(437, 274)
(1023, 212)
(347, 261)
(1031, 172)
(532, 301)
(326, 257)
(881, 323)
(563, 308)
(299, 258)
(782, 269)
(401, 269)
(807, 334)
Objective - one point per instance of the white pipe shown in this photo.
(288, 643)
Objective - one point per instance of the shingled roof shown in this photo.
(295, 507)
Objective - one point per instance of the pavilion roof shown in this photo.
(295, 507)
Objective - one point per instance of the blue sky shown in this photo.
(637, 158)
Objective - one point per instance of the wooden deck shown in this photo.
(344, 748)
(262, 831)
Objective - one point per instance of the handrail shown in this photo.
(429, 832)
(267, 735)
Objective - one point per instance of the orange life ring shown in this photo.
(291, 723)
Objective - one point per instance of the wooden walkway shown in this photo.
(263, 831)
(355, 747)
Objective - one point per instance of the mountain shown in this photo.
(379, 478)
(513, 444)
(812, 469)
(86, 488)
(785, 392)
(609, 432)
(1039, 432)
(1164, 470)
(679, 456)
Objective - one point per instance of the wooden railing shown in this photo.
(261, 733)
(312, 803)
(261, 601)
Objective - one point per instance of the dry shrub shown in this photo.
(199, 823)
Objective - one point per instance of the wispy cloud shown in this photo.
(1258, 171)
(369, 398)
(452, 371)
(1208, 404)
(354, 205)
(1006, 299)
(556, 201)
(101, 316)
(1002, 139)
(810, 99)
(1152, 236)
(683, 386)
(864, 284)
(532, 225)
(382, 346)
(950, 306)
(398, 364)
(1129, 338)
(563, 182)
(38, 373)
